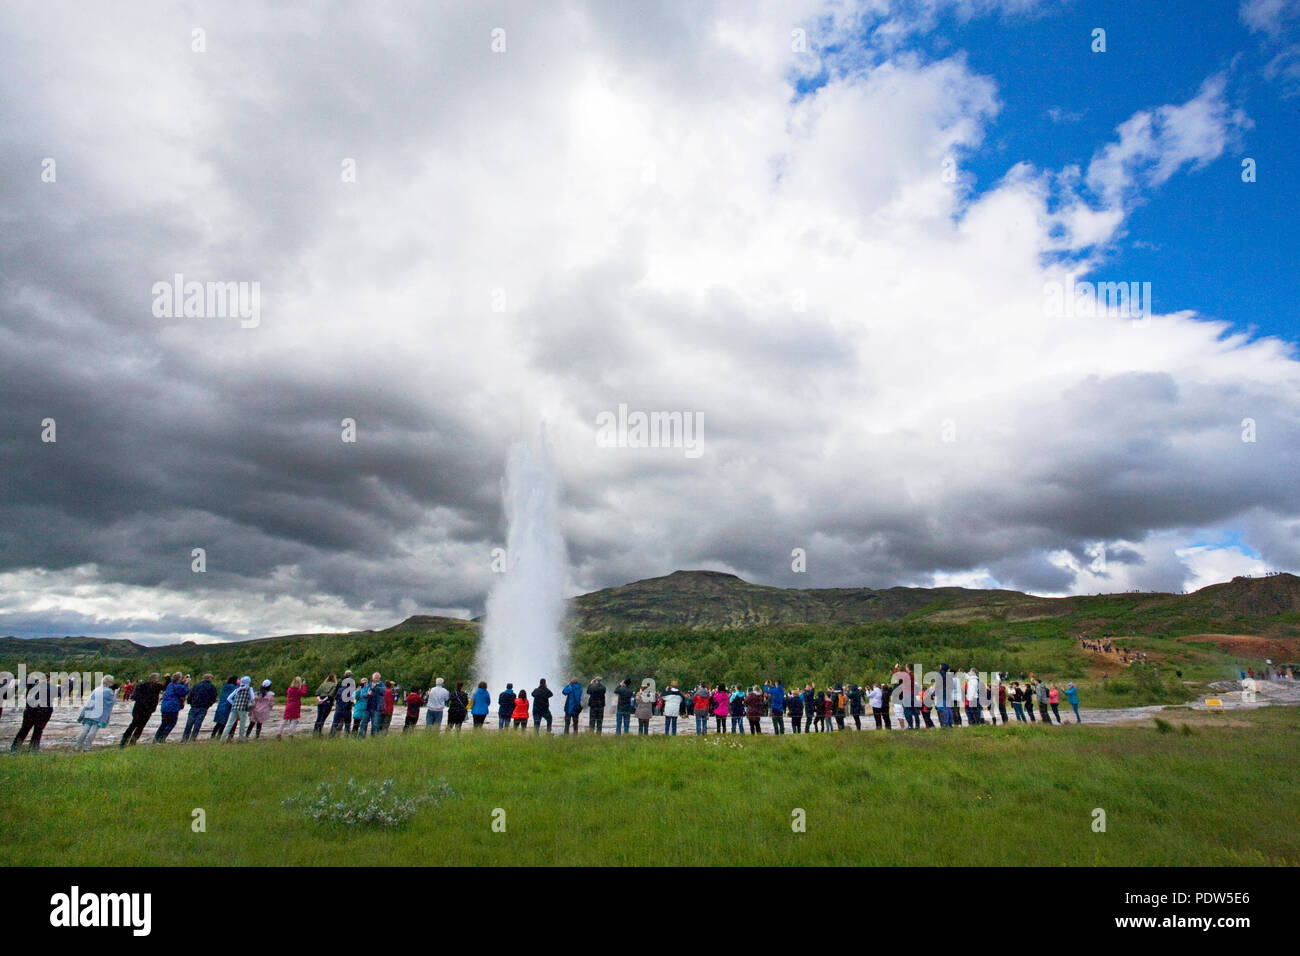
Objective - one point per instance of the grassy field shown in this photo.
(1225, 791)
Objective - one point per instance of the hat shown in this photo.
(267, 682)
(246, 679)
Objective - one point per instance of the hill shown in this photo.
(692, 624)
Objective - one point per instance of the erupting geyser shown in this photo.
(522, 637)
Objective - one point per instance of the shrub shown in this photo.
(370, 804)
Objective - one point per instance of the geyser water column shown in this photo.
(522, 636)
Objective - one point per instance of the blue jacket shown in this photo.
(174, 697)
(776, 694)
(375, 696)
(203, 695)
(482, 702)
(223, 702)
(573, 698)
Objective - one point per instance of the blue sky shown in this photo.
(1206, 240)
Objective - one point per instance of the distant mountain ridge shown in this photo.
(717, 600)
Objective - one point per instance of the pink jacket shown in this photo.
(721, 703)
(1053, 696)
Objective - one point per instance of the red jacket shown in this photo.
(521, 708)
(293, 702)
(389, 699)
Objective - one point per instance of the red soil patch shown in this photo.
(1282, 650)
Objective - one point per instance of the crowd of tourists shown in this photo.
(366, 706)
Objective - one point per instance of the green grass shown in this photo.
(1225, 792)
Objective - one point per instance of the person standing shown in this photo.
(754, 709)
(360, 708)
(943, 696)
(1016, 707)
(1072, 695)
(809, 706)
(721, 707)
(855, 704)
(324, 704)
(1002, 702)
(202, 696)
(241, 702)
(95, 714)
(794, 705)
(974, 714)
(877, 697)
(414, 701)
(505, 707)
(572, 704)
(292, 708)
(645, 706)
(173, 699)
(223, 707)
(390, 703)
(625, 695)
(1043, 695)
(542, 705)
(438, 698)
(375, 696)
(263, 701)
(701, 702)
(457, 707)
(482, 705)
(38, 707)
(1054, 698)
(146, 701)
(596, 706)
(736, 708)
(776, 705)
(839, 701)
(673, 701)
(520, 715)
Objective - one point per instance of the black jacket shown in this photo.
(203, 695)
(624, 695)
(595, 695)
(506, 703)
(146, 696)
(542, 700)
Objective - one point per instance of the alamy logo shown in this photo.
(1070, 299)
(75, 908)
(683, 430)
(208, 300)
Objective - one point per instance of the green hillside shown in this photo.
(691, 625)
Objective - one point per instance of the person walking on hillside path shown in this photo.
(596, 706)
(572, 704)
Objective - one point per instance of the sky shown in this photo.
(828, 235)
